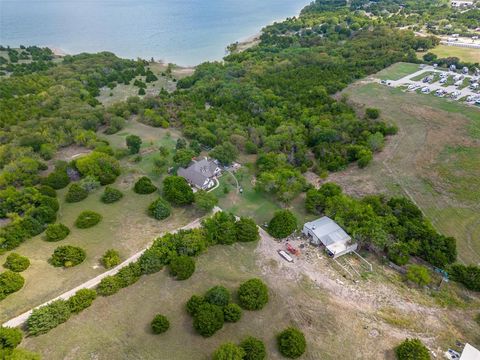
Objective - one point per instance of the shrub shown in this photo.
(133, 143)
(56, 232)
(232, 313)
(418, 274)
(177, 191)
(89, 183)
(254, 349)
(412, 349)
(205, 201)
(194, 303)
(253, 294)
(151, 261)
(75, 194)
(291, 343)
(247, 230)
(229, 351)
(10, 337)
(160, 324)
(372, 113)
(43, 214)
(48, 317)
(220, 228)
(468, 275)
(144, 186)
(182, 267)
(67, 256)
(129, 274)
(111, 195)
(208, 319)
(82, 299)
(159, 209)
(87, 219)
(218, 295)
(31, 226)
(109, 285)
(57, 179)
(50, 202)
(101, 166)
(16, 262)
(282, 224)
(111, 258)
(10, 282)
(47, 191)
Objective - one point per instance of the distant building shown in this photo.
(201, 174)
(470, 353)
(327, 232)
(462, 3)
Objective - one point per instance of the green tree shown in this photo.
(159, 209)
(254, 349)
(144, 186)
(291, 343)
(177, 191)
(218, 295)
(208, 319)
(16, 262)
(183, 157)
(111, 258)
(205, 201)
(246, 230)
(253, 294)
(412, 349)
(282, 224)
(226, 153)
(134, 143)
(220, 228)
(232, 312)
(56, 232)
(194, 303)
(75, 194)
(67, 256)
(160, 324)
(229, 351)
(182, 267)
(101, 166)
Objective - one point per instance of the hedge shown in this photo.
(108, 286)
(56, 232)
(67, 256)
(16, 262)
(48, 317)
(82, 299)
(87, 219)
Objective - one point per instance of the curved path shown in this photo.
(21, 319)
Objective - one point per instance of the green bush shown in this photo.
(208, 319)
(418, 274)
(133, 143)
(282, 224)
(82, 299)
(31, 226)
(182, 267)
(218, 295)
(109, 285)
(151, 261)
(205, 201)
(50, 202)
(87, 219)
(160, 324)
(10, 282)
(253, 294)
(129, 275)
(232, 313)
(254, 349)
(16, 262)
(89, 183)
(101, 166)
(372, 113)
(56, 232)
(111, 258)
(229, 351)
(18, 354)
(220, 228)
(111, 195)
(291, 343)
(247, 230)
(412, 349)
(47, 191)
(144, 186)
(67, 256)
(57, 179)
(177, 191)
(48, 317)
(194, 303)
(43, 214)
(75, 194)
(10, 337)
(468, 275)
(159, 209)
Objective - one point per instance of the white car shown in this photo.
(426, 90)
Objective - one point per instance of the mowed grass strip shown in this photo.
(397, 71)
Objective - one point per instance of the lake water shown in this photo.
(186, 32)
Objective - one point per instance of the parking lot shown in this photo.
(453, 84)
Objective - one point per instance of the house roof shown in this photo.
(470, 353)
(205, 166)
(196, 178)
(329, 233)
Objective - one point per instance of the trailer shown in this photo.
(284, 255)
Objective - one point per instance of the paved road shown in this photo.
(21, 319)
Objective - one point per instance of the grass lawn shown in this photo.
(397, 71)
(433, 159)
(464, 54)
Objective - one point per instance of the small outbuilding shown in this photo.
(326, 232)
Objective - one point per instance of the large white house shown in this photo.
(327, 232)
(201, 174)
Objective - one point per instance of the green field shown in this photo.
(433, 160)
(464, 54)
(397, 71)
